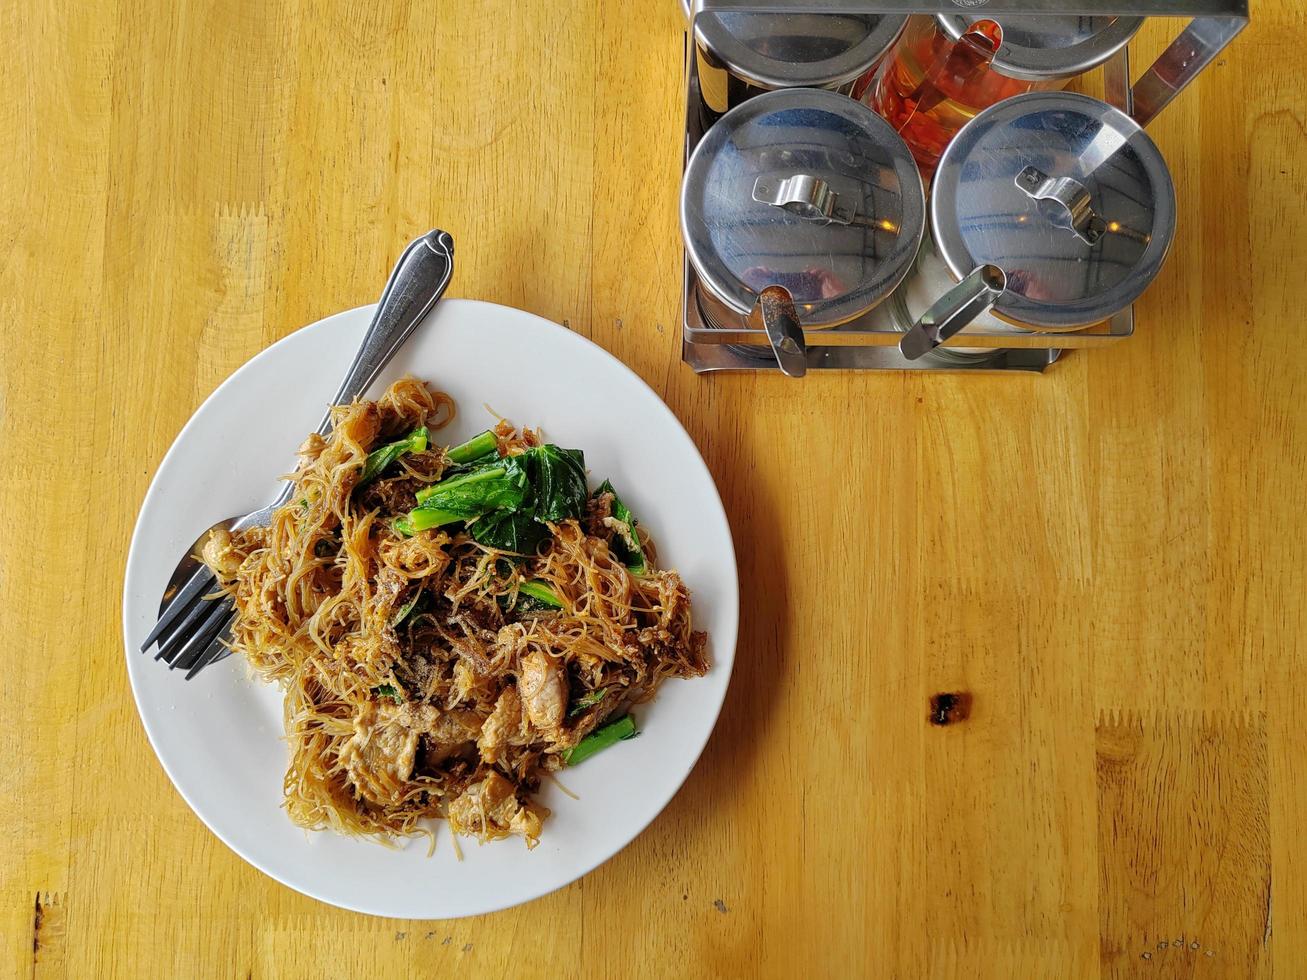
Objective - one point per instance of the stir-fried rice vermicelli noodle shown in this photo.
(438, 655)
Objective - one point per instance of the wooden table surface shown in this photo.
(1109, 559)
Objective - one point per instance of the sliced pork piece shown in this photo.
(378, 757)
(489, 809)
(220, 554)
(543, 688)
(505, 727)
(441, 727)
(311, 448)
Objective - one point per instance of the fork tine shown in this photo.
(219, 615)
(183, 631)
(214, 652)
(198, 584)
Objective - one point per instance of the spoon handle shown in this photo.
(418, 281)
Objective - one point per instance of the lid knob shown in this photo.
(805, 195)
(1071, 197)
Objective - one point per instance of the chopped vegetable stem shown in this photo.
(425, 518)
(540, 593)
(460, 481)
(481, 444)
(379, 459)
(628, 548)
(407, 609)
(588, 700)
(603, 738)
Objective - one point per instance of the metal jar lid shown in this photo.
(775, 50)
(805, 189)
(1049, 46)
(1065, 194)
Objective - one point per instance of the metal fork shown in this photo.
(194, 621)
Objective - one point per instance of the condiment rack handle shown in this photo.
(1182, 62)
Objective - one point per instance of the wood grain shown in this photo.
(1184, 849)
(1110, 560)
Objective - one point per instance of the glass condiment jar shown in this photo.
(948, 67)
(1049, 212)
(741, 53)
(801, 209)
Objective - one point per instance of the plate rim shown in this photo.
(133, 656)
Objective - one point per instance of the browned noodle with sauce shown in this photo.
(420, 679)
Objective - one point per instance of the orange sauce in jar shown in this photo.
(932, 84)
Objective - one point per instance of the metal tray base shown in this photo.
(836, 354)
(704, 358)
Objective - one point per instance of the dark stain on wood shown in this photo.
(38, 919)
(48, 923)
(950, 707)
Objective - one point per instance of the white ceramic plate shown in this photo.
(219, 736)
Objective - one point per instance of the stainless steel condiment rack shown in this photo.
(871, 341)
